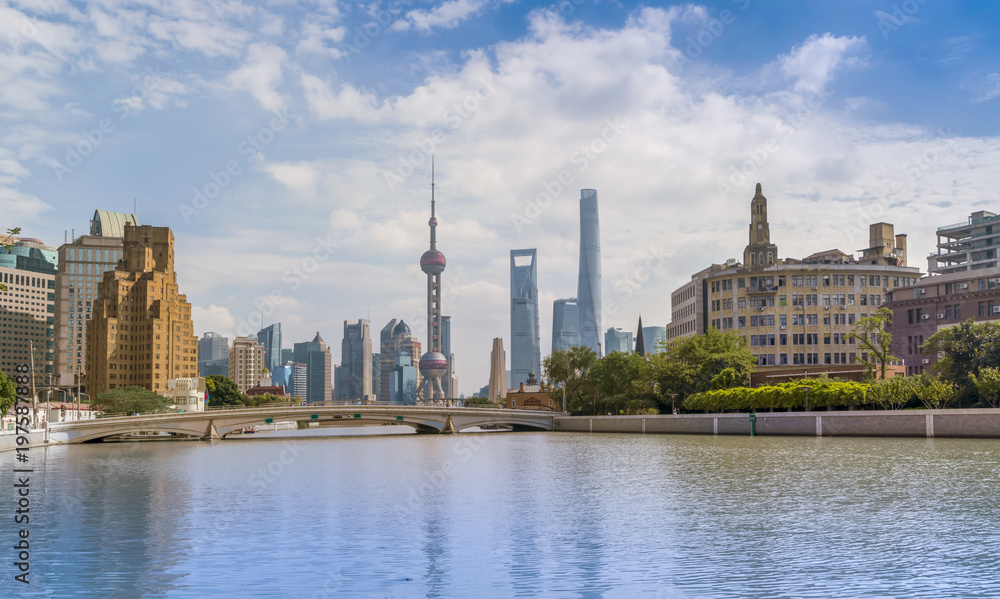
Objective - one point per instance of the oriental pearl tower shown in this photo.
(433, 364)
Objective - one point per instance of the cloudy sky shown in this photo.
(287, 143)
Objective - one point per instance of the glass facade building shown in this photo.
(565, 324)
(588, 292)
(525, 340)
(270, 338)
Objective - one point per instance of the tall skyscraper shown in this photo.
(28, 270)
(588, 291)
(433, 364)
(525, 338)
(213, 355)
(246, 363)
(387, 359)
(652, 336)
(82, 264)
(292, 377)
(316, 356)
(498, 371)
(355, 381)
(270, 338)
(404, 379)
(450, 381)
(617, 340)
(141, 332)
(565, 324)
(376, 376)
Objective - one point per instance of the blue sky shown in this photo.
(309, 126)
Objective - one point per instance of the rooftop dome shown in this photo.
(400, 328)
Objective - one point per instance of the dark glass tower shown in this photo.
(588, 292)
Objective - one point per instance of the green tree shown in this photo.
(570, 369)
(872, 338)
(963, 350)
(222, 391)
(932, 391)
(693, 364)
(892, 393)
(130, 400)
(7, 243)
(623, 384)
(987, 384)
(8, 393)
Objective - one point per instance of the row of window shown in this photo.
(827, 300)
(766, 282)
(768, 320)
(801, 339)
(807, 358)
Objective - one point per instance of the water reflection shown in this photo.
(519, 514)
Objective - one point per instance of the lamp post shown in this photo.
(806, 398)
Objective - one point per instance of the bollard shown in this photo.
(753, 424)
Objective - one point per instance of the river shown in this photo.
(304, 515)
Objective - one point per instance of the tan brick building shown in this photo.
(246, 363)
(141, 331)
(796, 314)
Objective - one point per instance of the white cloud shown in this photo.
(813, 63)
(348, 103)
(986, 89)
(261, 74)
(446, 15)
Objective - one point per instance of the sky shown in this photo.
(287, 144)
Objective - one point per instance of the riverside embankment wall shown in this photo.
(8, 439)
(966, 423)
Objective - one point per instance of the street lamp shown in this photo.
(806, 397)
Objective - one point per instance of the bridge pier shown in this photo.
(449, 426)
(211, 432)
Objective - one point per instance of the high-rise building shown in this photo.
(525, 337)
(246, 363)
(355, 381)
(969, 245)
(213, 355)
(498, 371)
(395, 336)
(565, 324)
(797, 314)
(28, 270)
(652, 336)
(433, 364)
(588, 291)
(270, 338)
(617, 340)
(404, 380)
(82, 264)
(318, 359)
(292, 377)
(141, 332)
(376, 376)
(286, 355)
(450, 381)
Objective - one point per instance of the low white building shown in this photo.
(188, 394)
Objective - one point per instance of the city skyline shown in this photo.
(297, 170)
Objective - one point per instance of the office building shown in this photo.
(83, 261)
(213, 355)
(394, 337)
(797, 314)
(292, 377)
(969, 245)
(565, 324)
(498, 372)
(588, 291)
(651, 337)
(403, 379)
(617, 340)
(270, 338)
(141, 331)
(27, 308)
(525, 338)
(450, 381)
(355, 376)
(246, 363)
(376, 376)
(318, 359)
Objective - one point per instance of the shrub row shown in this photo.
(822, 393)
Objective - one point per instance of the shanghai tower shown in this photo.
(588, 291)
(433, 364)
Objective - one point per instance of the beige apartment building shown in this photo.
(141, 331)
(246, 363)
(28, 270)
(796, 314)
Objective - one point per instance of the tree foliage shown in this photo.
(694, 364)
(8, 393)
(964, 350)
(222, 391)
(892, 393)
(872, 337)
(570, 369)
(130, 400)
(823, 392)
(932, 391)
(987, 384)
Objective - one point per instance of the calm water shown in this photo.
(505, 514)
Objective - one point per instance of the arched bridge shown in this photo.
(215, 424)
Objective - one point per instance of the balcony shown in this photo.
(762, 289)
